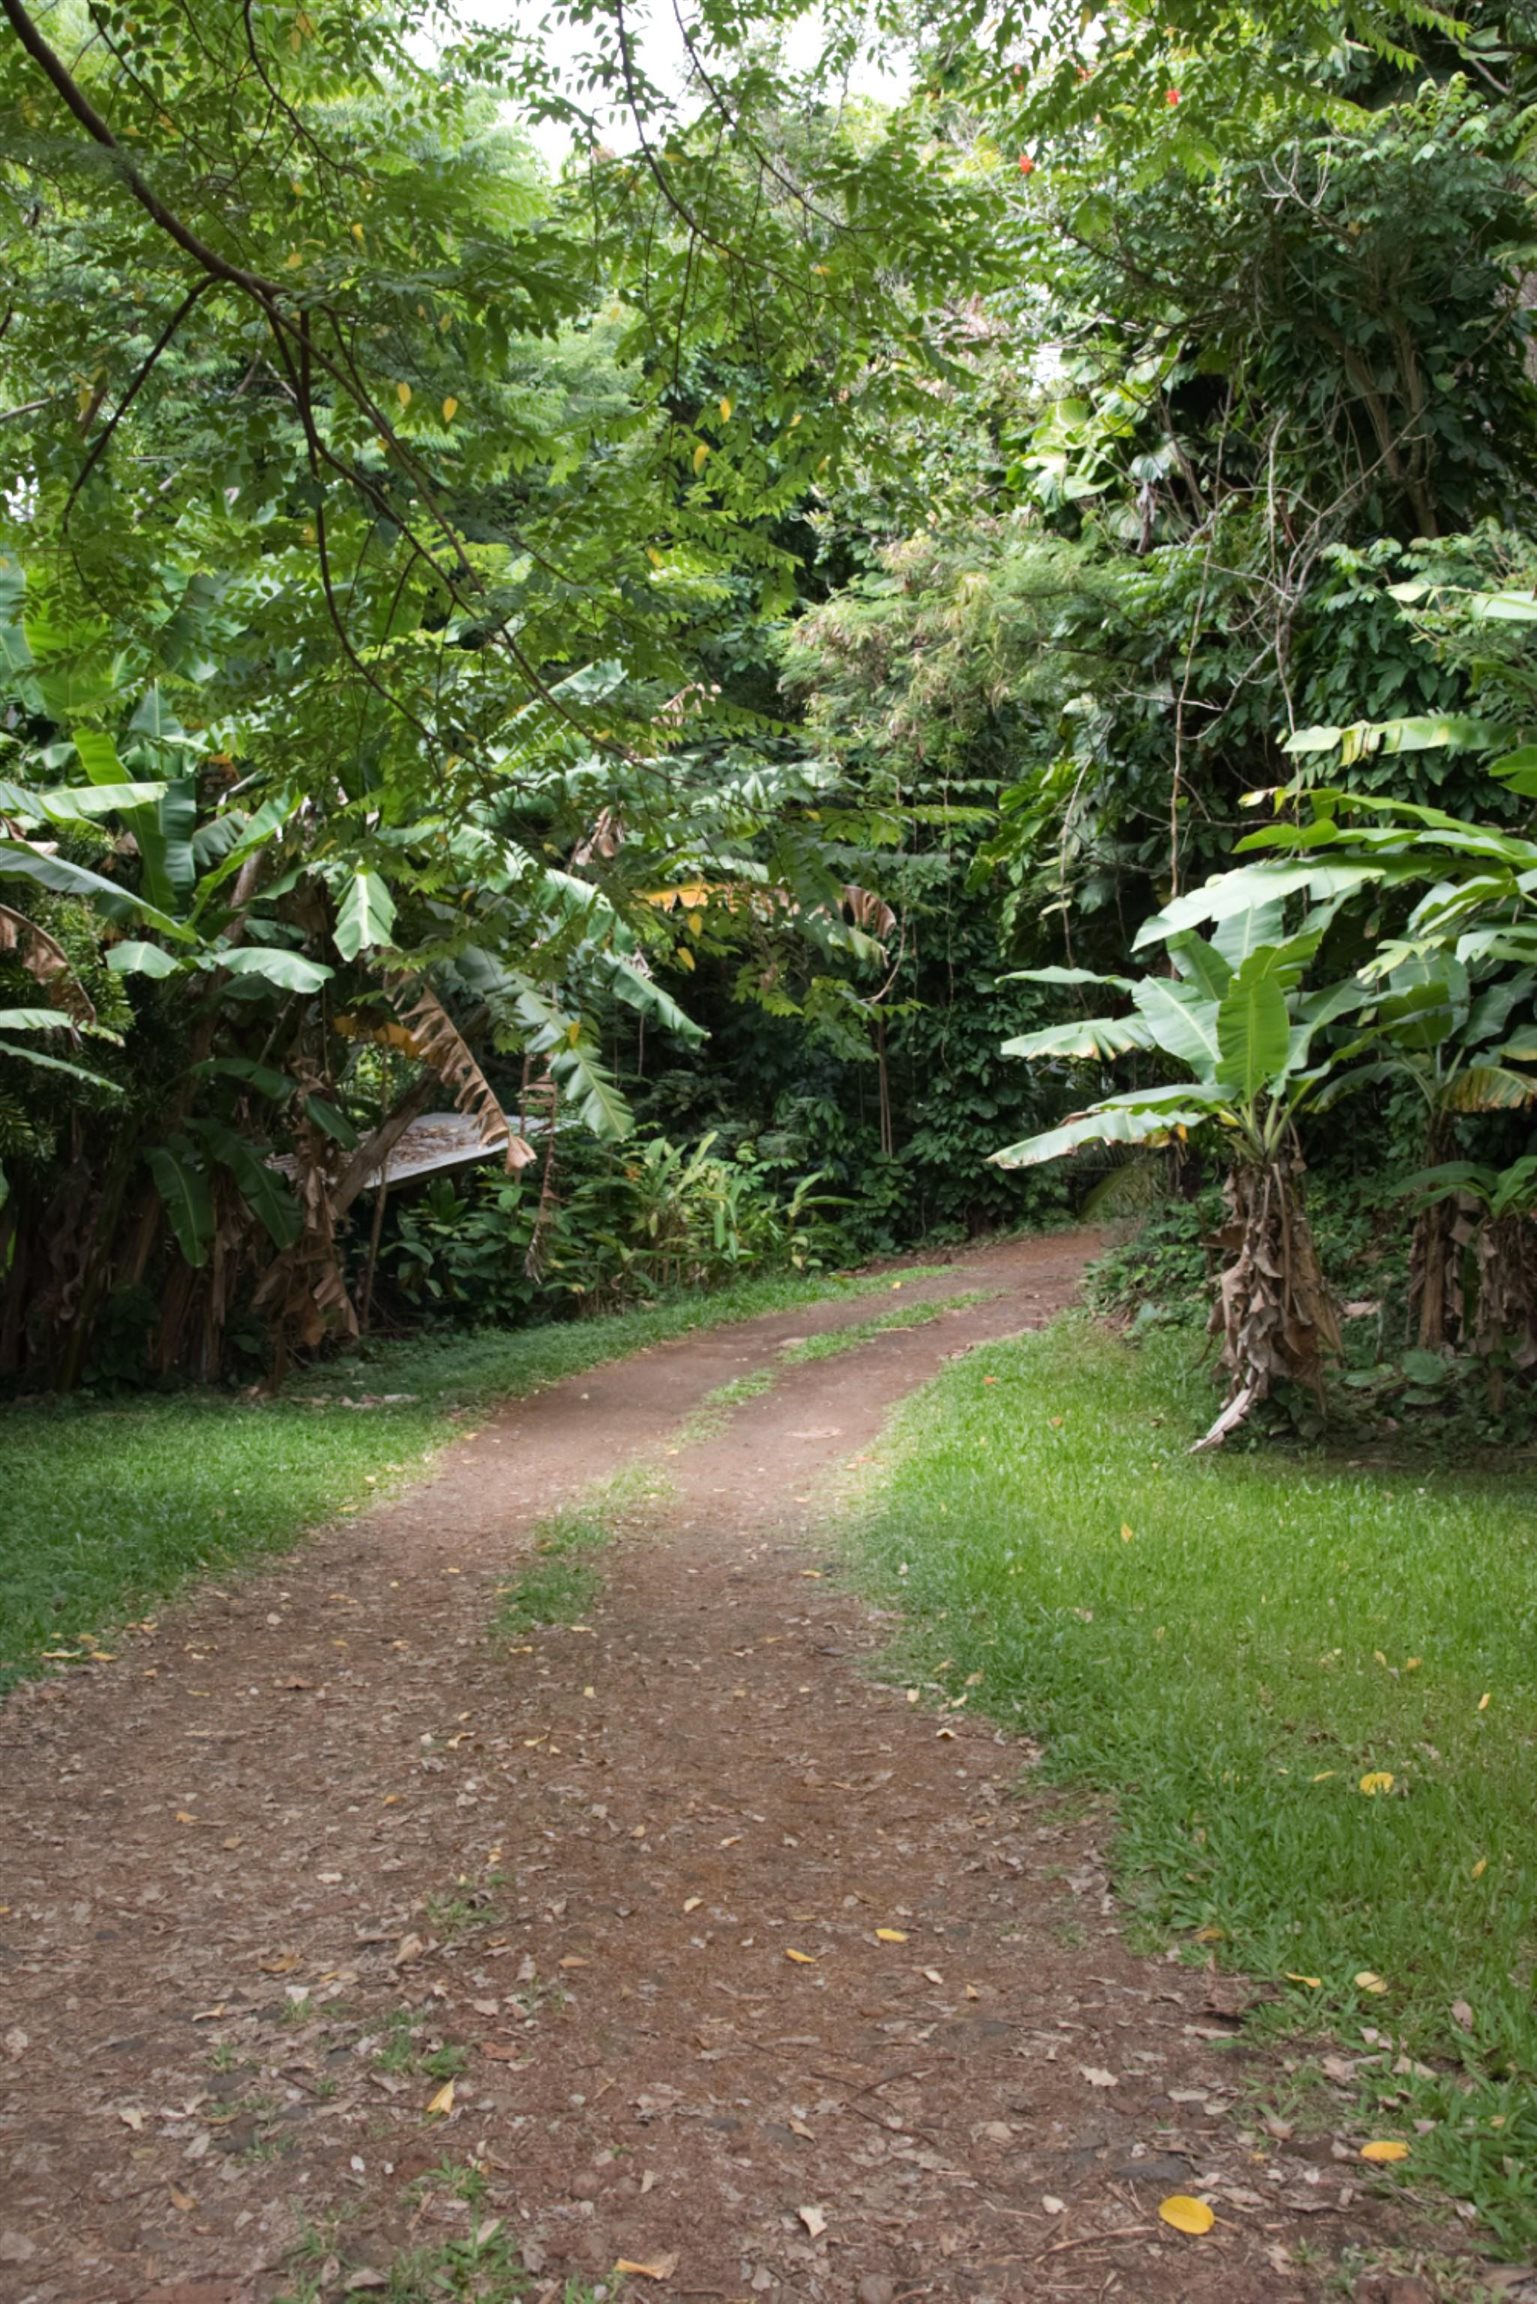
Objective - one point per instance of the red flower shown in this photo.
(1171, 97)
(1026, 164)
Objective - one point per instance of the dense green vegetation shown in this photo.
(1309, 1685)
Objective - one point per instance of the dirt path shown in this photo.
(267, 1877)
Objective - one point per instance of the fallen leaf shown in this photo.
(1367, 1982)
(1209, 1935)
(692, 1903)
(660, 2267)
(1052, 2205)
(814, 2221)
(1462, 2014)
(1483, 1702)
(366, 2277)
(798, 2127)
(1313, 1983)
(1389, 2149)
(1377, 1780)
(801, 1959)
(443, 2102)
(280, 1964)
(1479, 1869)
(1185, 2214)
(184, 2201)
(1127, 1534)
(1098, 2077)
(131, 2117)
(933, 1975)
(575, 1960)
(891, 1935)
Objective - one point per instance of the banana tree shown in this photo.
(1487, 1217)
(1236, 1016)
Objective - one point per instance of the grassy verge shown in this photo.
(1313, 1687)
(109, 1508)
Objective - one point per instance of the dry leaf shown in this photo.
(1366, 1981)
(1389, 2149)
(933, 1975)
(1462, 2014)
(1313, 1983)
(660, 2267)
(1377, 1780)
(574, 1960)
(1127, 1534)
(280, 1964)
(1479, 1869)
(814, 2221)
(185, 2201)
(692, 1903)
(801, 1959)
(891, 1935)
(443, 2102)
(1052, 2205)
(798, 2127)
(1185, 2214)
(366, 2277)
(1098, 2077)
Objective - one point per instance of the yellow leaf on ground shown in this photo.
(659, 2268)
(1366, 1981)
(1127, 1533)
(1377, 1780)
(1324, 1774)
(443, 2102)
(1209, 1935)
(1388, 2149)
(1185, 2214)
(1483, 1702)
(1313, 1983)
(801, 1959)
(1480, 1868)
(692, 1903)
(891, 1935)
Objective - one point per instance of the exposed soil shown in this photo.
(635, 1870)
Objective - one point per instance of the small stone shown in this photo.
(584, 2186)
(877, 2288)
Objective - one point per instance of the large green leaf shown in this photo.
(1101, 1037)
(20, 860)
(1114, 1122)
(188, 1202)
(1200, 963)
(365, 918)
(1239, 934)
(1182, 1021)
(263, 1190)
(264, 1078)
(32, 1020)
(289, 971)
(1253, 1029)
(36, 1057)
(132, 958)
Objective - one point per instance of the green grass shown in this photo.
(1271, 1630)
(109, 1508)
(836, 1340)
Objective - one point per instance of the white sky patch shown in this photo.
(662, 55)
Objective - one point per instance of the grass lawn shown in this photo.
(1312, 1687)
(108, 1508)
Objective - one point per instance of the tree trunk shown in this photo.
(1273, 1312)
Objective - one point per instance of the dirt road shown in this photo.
(744, 1968)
